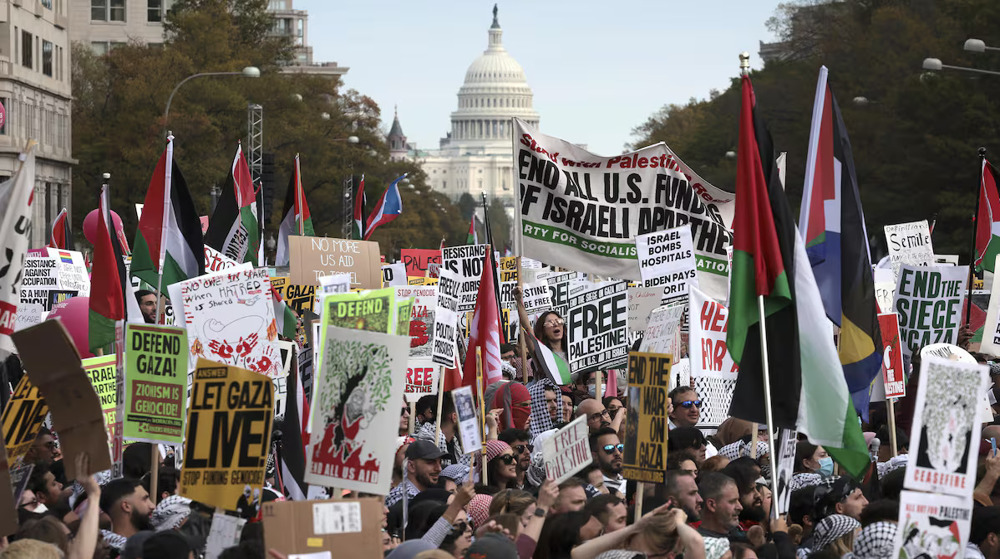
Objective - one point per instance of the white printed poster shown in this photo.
(356, 401)
(422, 379)
(661, 334)
(932, 526)
(909, 243)
(536, 297)
(445, 349)
(394, 274)
(466, 262)
(928, 301)
(583, 211)
(944, 440)
(72, 270)
(468, 424)
(598, 328)
(229, 318)
(991, 328)
(421, 318)
(712, 367)
(666, 260)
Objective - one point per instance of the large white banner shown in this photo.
(583, 211)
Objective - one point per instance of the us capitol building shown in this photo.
(476, 155)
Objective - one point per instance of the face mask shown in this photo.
(592, 390)
(825, 467)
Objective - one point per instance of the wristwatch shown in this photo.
(540, 512)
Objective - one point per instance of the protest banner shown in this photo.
(662, 330)
(582, 211)
(885, 288)
(666, 260)
(40, 276)
(641, 302)
(945, 438)
(224, 533)
(421, 318)
(373, 310)
(311, 258)
(466, 262)
(991, 328)
(536, 297)
(468, 421)
(228, 435)
(445, 349)
(559, 291)
(229, 318)
(597, 327)
(421, 281)
(299, 298)
(785, 448)
(928, 301)
(422, 377)
(909, 243)
(356, 401)
(103, 374)
(313, 528)
(712, 368)
(22, 419)
(72, 270)
(421, 262)
(646, 423)
(892, 358)
(215, 261)
(567, 451)
(393, 275)
(155, 383)
(51, 360)
(932, 526)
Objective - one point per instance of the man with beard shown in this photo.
(597, 415)
(607, 450)
(721, 506)
(127, 503)
(423, 466)
(519, 441)
(744, 471)
(682, 488)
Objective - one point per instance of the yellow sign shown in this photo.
(645, 456)
(22, 419)
(228, 436)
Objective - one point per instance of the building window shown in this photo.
(47, 58)
(107, 10)
(444, 185)
(154, 11)
(27, 50)
(47, 4)
(5, 101)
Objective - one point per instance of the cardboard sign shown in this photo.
(468, 422)
(310, 527)
(945, 438)
(445, 349)
(155, 383)
(597, 327)
(103, 373)
(666, 260)
(393, 275)
(421, 262)
(892, 358)
(230, 319)
(580, 210)
(22, 419)
(641, 302)
(52, 362)
(909, 243)
(422, 379)
(662, 330)
(932, 525)
(929, 304)
(567, 451)
(355, 403)
(646, 428)
(72, 270)
(228, 436)
(885, 288)
(311, 258)
(466, 262)
(787, 440)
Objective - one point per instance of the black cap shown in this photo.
(423, 450)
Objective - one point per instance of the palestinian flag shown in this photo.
(169, 230)
(549, 363)
(473, 238)
(234, 229)
(285, 316)
(291, 451)
(111, 295)
(61, 235)
(808, 392)
(359, 211)
(297, 220)
(987, 219)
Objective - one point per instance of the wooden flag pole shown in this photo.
(440, 401)
(640, 488)
(521, 345)
(482, 404)
(767, 400)
(972, 249)
(753, 441)
(413, 416)
(891, 408)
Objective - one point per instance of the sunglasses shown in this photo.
(520, 448)
(507, 459)
(554, 322)
(404, 411)
(689, 403)
(458, 528)
(611, 448)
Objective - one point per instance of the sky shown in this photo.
(597, 69)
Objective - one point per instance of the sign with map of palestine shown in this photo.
(583, 211)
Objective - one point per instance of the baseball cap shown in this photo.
(423, 450)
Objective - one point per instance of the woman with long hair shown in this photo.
(501, 465)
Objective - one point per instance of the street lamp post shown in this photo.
(248, 72)
(935, 65)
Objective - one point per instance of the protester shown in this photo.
(610, 510)
(147, 304)
(607, 452)
(682, 489)
(127, 504)
(720, 507)
(568, 405)
(404, 420)
(448, 440)
(501, 465)
(426, 409)
(518, 439)
(687, 407)
(423, 466)
(597, 416)
(572, 497)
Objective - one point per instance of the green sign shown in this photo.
(155, 383)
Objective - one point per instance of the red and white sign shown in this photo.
(421, 379)
(709, 352)
(892, 359)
